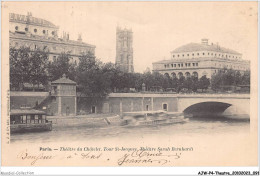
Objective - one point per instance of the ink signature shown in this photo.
(143, 157)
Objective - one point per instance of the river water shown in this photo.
(195, 127)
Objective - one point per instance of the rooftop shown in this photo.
(25, 111)
(63, 80)
(192, 47)
(48, 39)
(29, 19)
(200, 59)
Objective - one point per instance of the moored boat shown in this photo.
(25, 120)
(152, 118)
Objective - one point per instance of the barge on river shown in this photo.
(152, 118)
(27, 120)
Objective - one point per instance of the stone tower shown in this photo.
(124, 49)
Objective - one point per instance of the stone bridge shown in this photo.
(213, 103)
(187, 103)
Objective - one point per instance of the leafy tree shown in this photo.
(19, 67)
(195, 83)
(229, 77)
(187, 83)
(204, 83)
(245, 78)
(27, 66)
(181, 83)
(166, 81)
(60, 66)
(38, 65)
(174, 83)
(92, 80)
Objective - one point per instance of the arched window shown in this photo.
(180, 74)
(35, 30)
(187, 74)
(26, 29)
(43, 31)
(16, 28)
(173, 75)
(195, 74)
(166, 75)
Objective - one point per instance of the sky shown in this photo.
(158, 27)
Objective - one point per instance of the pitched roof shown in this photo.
(25, 111)
(63, 80)
(192, 47)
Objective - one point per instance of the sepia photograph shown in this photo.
(130, 84)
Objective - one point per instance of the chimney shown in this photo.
(204, 41)
(29, 13)
(79, 38)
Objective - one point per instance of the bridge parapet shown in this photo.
(238, 96)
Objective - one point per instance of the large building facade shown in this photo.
(29, 31)
(199, 59)
(124, 50)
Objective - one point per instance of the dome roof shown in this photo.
(193, 47)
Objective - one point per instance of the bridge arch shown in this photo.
(207, 108)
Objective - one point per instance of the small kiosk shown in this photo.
(63, 91)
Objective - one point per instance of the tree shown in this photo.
(204, 83)
(180, 83)
(91, 78)
(174, 83)
(195, 83)
(27, 66)
(166, 81)
(19, 67)
(229, 77)
(38, 64)
(60, 66)
(245, 78)
(188, 83)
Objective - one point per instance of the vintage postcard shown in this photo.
(129, 84)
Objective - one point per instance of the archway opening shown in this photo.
(207, 109)
(195, 74)
(173, 75)
(187, 74)
(180, 74)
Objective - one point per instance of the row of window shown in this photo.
(54, 48)
(231, 66)
(212, 54)
(35, 30)
(181, 65)
(55, 59)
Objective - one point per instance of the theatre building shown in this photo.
(199, 59)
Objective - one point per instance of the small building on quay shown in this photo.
(60, 101)
(199, 59)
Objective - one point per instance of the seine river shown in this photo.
(85, 132)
